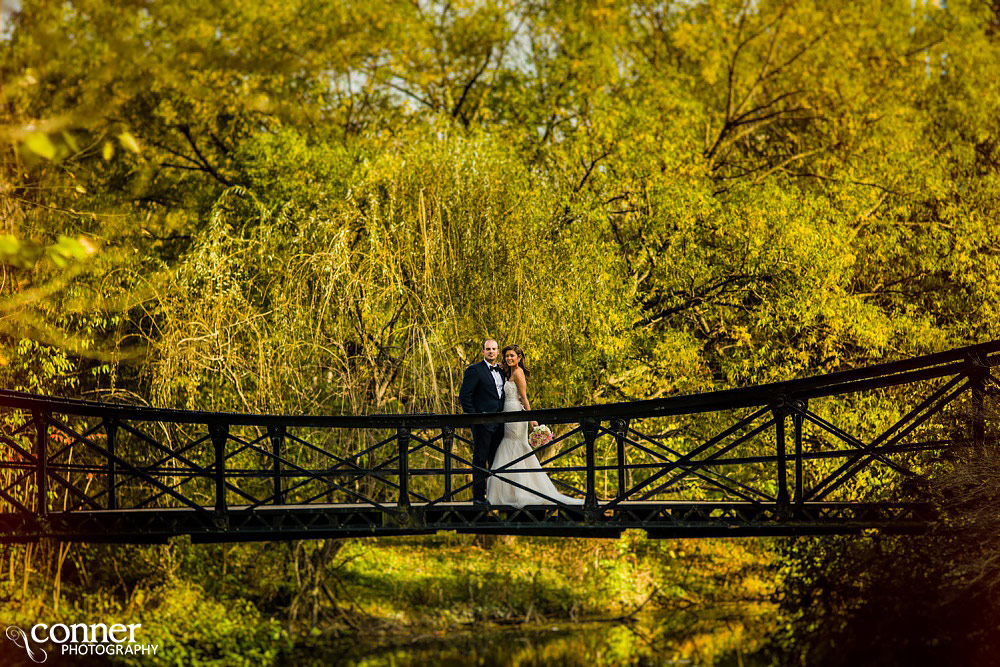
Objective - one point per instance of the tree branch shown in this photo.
(468, 86)
(186, 131)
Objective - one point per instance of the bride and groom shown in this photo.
(489, 387)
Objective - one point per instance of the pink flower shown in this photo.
(540, 435)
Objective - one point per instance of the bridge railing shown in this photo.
(857, 435)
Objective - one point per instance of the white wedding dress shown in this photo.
(513, 446)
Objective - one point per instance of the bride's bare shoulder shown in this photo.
(518, 374)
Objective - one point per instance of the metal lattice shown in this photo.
(837, 453)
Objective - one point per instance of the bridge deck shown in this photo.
(286, 522)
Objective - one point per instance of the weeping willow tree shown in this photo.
(366, 286)
(332, 285)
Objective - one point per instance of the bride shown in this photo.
(515, 445)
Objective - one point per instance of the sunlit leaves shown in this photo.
(64, 251)
(763, 189)
(40, 144)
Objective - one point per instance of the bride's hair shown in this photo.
(520, 361)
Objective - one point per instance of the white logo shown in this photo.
(18, 636)
(81, 639)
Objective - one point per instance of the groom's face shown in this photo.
(490, 351)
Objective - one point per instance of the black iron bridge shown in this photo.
(836, 453)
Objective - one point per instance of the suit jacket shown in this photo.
(479, 392)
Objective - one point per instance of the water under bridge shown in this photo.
(836, 453)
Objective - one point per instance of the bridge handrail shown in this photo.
(870, 377)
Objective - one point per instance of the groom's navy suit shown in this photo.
(479, 394)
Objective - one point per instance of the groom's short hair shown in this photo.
(488, 340)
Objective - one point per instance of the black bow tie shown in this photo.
(495, 369)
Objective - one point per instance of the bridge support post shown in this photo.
(42, 471)
(780, 413)
(219, 433)
(277, 437)
(448, 439)
(590, 427)
(403, 442)
(620, 427)
(111, 430)
(797, 419)
(977, 378)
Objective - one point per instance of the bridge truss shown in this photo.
(836, 453)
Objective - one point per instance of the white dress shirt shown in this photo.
(497, 378)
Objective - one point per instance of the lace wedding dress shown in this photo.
(513, 446)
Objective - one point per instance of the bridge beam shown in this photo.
(448, 440)
(590, 427)
(620, 427)
(977, 378)
(42, 454)
(797, 418)
(403, 443)
(276, 434)
(660, 520)
(219, 432)
(780, 412)
(111, 431)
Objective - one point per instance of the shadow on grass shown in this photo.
(487, 595)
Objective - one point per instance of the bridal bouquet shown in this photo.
(540, 435)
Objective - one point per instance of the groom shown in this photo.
(482, 391)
